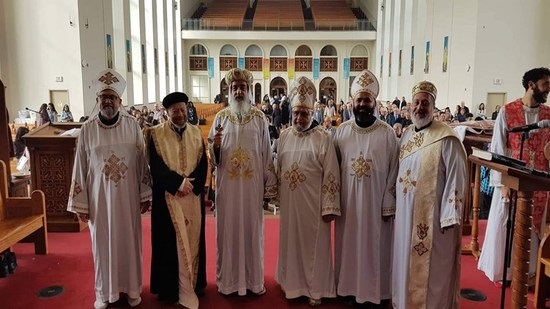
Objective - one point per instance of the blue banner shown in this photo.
(316, 68)
(346, 68)
(210, 67)
(240, 63)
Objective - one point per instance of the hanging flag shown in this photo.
(290, 68)
(346, 68)
(210, 67)
(266, 68)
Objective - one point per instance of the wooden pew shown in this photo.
(22, 217)
(542, 283)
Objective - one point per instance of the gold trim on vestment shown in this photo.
(232, 116)
(423, 227)
(435, 132)
(182, 154)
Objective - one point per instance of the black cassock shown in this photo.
(164, 260)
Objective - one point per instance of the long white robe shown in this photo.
(444, 267)
(309, 189)
(491, 260)
(369, 161)
(245, 174)
(110, 179)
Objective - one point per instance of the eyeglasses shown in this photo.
(108, 97)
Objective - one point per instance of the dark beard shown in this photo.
(538, 96)
(363, 116)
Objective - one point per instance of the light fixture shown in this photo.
(87, 25)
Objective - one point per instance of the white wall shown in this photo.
(40, 45)
(487, 41)
(508, 44)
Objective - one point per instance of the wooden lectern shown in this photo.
(52, 158)
(525, 184)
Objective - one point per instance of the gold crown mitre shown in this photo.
(425, 86)
(302, 93)
(239, 74)
(365, 82)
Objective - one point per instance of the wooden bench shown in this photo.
(22, 218)
(542, 283)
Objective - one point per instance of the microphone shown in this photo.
(528, 127)
(31, 110)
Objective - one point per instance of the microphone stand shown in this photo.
(512, 198)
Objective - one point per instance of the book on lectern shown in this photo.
(504, 160)
(497, 158)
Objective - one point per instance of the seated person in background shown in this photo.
(66, 115)
(19, 144)
(52, 113)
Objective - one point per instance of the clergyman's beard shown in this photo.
(239, 106)
(300, 128)
(421, 122)
(109, 112)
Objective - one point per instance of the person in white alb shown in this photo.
(309, 199)
(110, 187)
(368, 152)
(240, 150)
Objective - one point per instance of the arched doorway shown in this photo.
(278, 87)
(224, 90)
(257, 93)
(327, 89)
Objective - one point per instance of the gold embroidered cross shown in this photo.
(456, 200)
(360, 166)
(407, 182)
(114, 169)
(331, 188)
(365, 80)
(294, 176)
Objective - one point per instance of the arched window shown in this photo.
(228, 57)
(359, 59)
(303, 59)
(329, 59)
(253, 59)
(278, 59)
(198, 58)
(198, 50)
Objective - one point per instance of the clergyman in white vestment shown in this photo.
(240, 149)
(110, 187)
(429, 201)
(309, 200)
(368, 152)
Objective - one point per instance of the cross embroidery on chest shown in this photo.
(114, 169)
(407, 182)
(294, 176)
(360, 166)
(240, 165)
(456, 200)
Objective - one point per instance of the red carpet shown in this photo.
(69, 264)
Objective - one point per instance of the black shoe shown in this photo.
(11, 261)
(4, 270)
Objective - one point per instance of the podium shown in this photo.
(52, 158)
(525, 184)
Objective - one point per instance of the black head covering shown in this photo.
(173, 98)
